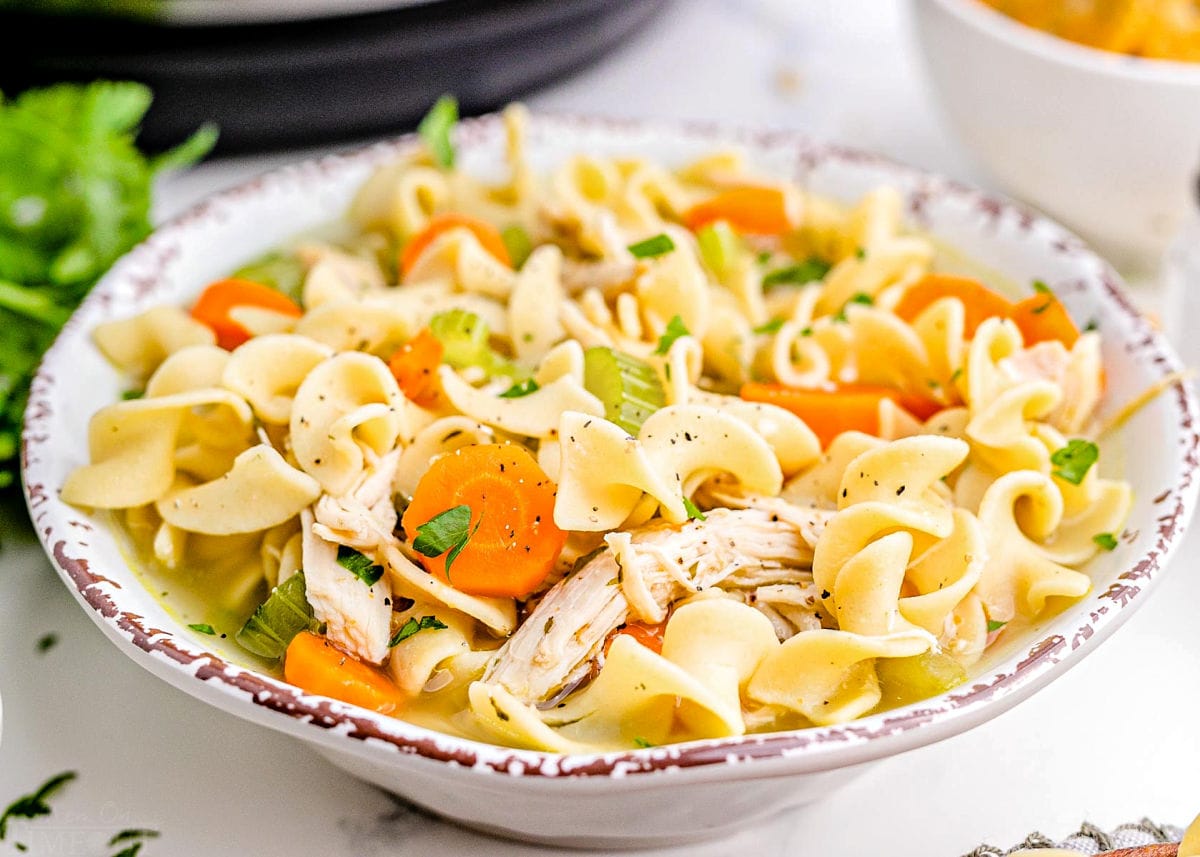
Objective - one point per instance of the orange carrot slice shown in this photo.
(316, 665)
(650, 636)
(489, 237)
(1042, 317)
(512, 542)
(414, 366)
(980, 302)
(851, 407)
(212, 307)
(751, 210)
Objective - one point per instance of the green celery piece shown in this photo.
(907, 680)
(629, 388)
(281, 271)
(464, 337)
(274, 623)
(518, 244)
(720, 247)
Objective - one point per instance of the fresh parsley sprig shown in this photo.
(359, 565)
(447, 533)
(1073, 461)
(412, 626)
(675, 329)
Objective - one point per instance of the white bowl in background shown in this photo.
(642, 796)
(1108, 143)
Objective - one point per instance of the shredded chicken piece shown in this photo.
(364, 517)
(555, 645)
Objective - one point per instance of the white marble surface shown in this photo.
(1111, 741)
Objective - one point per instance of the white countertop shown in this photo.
(1112, 741)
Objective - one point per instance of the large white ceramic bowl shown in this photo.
(1108, 143)
(643, 796)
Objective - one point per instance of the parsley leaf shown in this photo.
(33, 805)
(675, 329)
(651, 247)
(860, 253)
(519, 389)
(771, 326)
(46, 642)
(858, 298)
(203, 628)
(1107, 541)
(412, 626)
(1074, 460)
(75, 194)
(642, 742)
(1041, 288)
(808, 271)
(993, 625)
(436, 127)
(359, 565)
(518, 244)
(446, 531)
(693, 512)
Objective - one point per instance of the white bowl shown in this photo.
(645, 796)
(1108, 143)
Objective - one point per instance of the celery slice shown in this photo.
(274, 623)
(720, 247)
(905, 680)
(282, 272)
(629, 388)
(464, 338)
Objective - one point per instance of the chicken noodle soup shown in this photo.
(617, 456)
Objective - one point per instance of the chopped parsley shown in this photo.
(858, 298)
(771, 326)
(130, 395)
(436, 127)
(956, 375)
(1042, 289)
(446, 531)
(808, 271)
(519, 389)
(675, 329)
(1091, 325)
(203, 628)
(518, 244)
(1074, 460)
(642, 742)
(651, 247)
(359, 565)
(993, 625)
(860, 253)
(412, 626)
(693, 512)
(33, 805)
(46, 642)
(1107, 541)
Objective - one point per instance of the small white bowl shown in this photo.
(646, 796)
(1108, 143)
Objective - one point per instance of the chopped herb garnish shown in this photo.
(693, 512)
(519, 389)
(359, 565)
(675, 329)
(860, 253)
(133, 833)
(1074, 460)
(956, 375)
(412, 626)
(447, 531)
(46, 642)
(651, 247)
(808, 331)
(858, 298)
(771, 326)
(518, 244)
(1041, 288)
(203, 628)
(642, 742)
(993, 625)
(808, 271)
(130, 395)
(436, 127)
(1091, 325)
(1107, 541)
(33, 805)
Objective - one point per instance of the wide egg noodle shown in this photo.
(138, 345)
(533, 318)
(412, 661)
(268, 370)
(533, 415)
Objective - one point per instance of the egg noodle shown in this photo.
(613, 457)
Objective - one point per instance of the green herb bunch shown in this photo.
(75, 194)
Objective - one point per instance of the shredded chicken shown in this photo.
(655, 566)
(364, 517)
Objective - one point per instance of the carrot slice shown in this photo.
(414, 366)
(316, 665)
(512, 541)
(753, 210)
(1042, 317)
(980, 302)
(489, 237)
(850, 407)
(212, 307)
(650, 636)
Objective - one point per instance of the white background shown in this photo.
(1112, 741)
